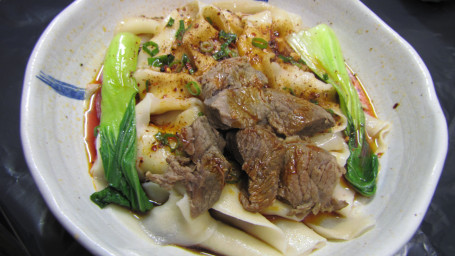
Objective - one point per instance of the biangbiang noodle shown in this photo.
(221, 136)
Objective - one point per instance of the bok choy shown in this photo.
(320, 50)
(117, 128)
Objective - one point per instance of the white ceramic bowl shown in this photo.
(52, 124)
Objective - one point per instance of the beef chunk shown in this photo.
(208, 182)
(204, 175)
(237, 108)
(230, 73)
(287, 114)
(199, 137)
(203, 181)
(261, 153)
(309, 178)
(292, 115)
(180, 169)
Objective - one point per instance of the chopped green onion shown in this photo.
(200, 114)
(330, 111)
(314, 101)
(209, 20)
(161, 61)
(147, 50)
(181, 31)
(224, 49)
(185, 59)
(147, 85)
(170, 22)
(290, 90)
(291, 60)
(168, 139)
(177, 64)
(193, 85)
(259, 42)
(190, 68)
(206, 46)
(186, 62)
(233, 53)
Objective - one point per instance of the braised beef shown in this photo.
(237, 108)
(236, 97)
(308, 179)
(262, 160)
(199, 137)
(292, 115)
(180, 169)
(204, 175)
(287, 114)
(230, 73)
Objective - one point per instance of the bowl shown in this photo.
(71, 50)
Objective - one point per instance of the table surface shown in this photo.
(27, 227)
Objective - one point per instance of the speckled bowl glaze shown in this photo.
(72, 49)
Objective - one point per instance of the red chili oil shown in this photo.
(92, 120)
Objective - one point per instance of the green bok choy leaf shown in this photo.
(320, 50)
(117, 128)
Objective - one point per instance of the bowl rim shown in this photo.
(440, 131)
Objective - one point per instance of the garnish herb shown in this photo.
(168, 139)
(181, 31)
(161, 61)
(193, 88)
(186, 62)
(291, 60)
(170, 22)
(314, 101)
(224, 49)
(154, 47)
(118, 127)
(206, 46)
(321, 51)
(290, 90)
(259, 42)
(330, 111)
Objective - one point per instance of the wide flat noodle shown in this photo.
(230, 241)
(172, 115)
(247, 7)
(232, 212)
(224, 20)
(344, 192)
(378, 129)
(302, 83)
(301, 239)
(281, 209)
(140, 25)
(162, 85)
(335, 144)
(256, 26)
(337, 227)
(155, 192)
(171, 224)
